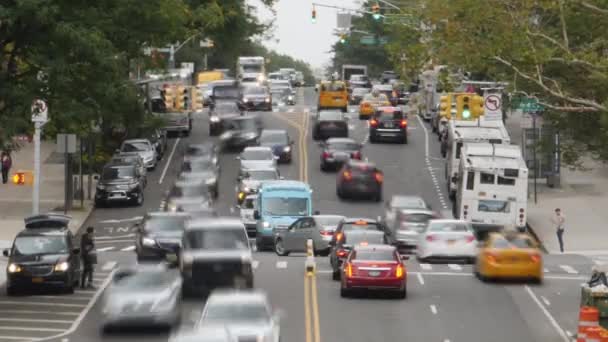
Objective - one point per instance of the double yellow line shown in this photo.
(311, 303)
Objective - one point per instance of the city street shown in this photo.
(445, 301)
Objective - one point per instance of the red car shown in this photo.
(374, 267)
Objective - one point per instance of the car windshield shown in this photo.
(257, 155)
(285, 206)
(134, 147)
(262, 174)
(333, 87)
(143, 280)
(240, 125)
(407, 202)
(43, 244)
(217, 239)
(169, 223)
(226, 108)
(255, 91)
(225, 92)
(416, 218)
(343, 146)
(389, 115)
(278, 138)
(517, 242)
(328, 220)
(448, 227)
(123, 172)
(375, 255)
(371, 239)
(242, 311)
(329, 115)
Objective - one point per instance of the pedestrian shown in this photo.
(7, 163)
(559, 220)
(87, 248)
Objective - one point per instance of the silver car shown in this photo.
(142, 296)
(144, 148)
(406, 217)
(246, 210)
(257, 157)
(250, 181)
(319, 228)
(208, 333)
(247, 315)
(192, 188)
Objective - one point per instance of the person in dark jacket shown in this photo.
(87, 248)
(7, 163)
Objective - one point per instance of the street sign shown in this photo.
(530, 105)
(66, 143)
(492, 107)
(40, 112)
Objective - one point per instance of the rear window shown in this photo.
(217, 239)
(360, 226)
(330, 116)
(343, 146)
(370, 239)
(416, 218)
(333, 87)
(396, 115)
(517, 242)
(375, 255)
(448, 227)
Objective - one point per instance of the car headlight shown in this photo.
(146, 241)
(215, 119)
(267, 99)
(62, 266)
(14, 268)
(225, 136)
(265, 224)
(287, 148)
(290, 97)
(245, 99)
(210, 181)
(172, 207)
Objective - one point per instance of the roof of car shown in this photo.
(371, 232)
(257, 148)
(215, 223)
(411, 201)
(360, 163)
(274, 131)
(136, 141)
(238, 296)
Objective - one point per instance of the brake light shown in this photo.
(403, 123)
(349, 270)
(326, 155)
(347, 175)
(379, 177)
(432, 238)
(399, 272)
(326, 233)
(341, 253)
(373, 122)
(356, 155)
(470, 239)
(535, 258)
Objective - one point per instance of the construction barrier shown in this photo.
(588, 320)
(310, 258)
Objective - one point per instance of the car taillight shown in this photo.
(347, 175)
(349, 270)
(326, 155)
(326, 232)
(535, 258)
(399, 271)
(470, 239)
(356, 155)
(403, 123)
(373, 122)
(341, 253)
(431, 238)
(379, 177)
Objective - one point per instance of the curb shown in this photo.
(535, 236)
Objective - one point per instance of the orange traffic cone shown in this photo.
(589, 317)
(593, 334)
(604, 335)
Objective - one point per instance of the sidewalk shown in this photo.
(583, 198)
(16, 200)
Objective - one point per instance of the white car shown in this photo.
(245, 314)
(246, 210)
(256, 157)
(144, 148)
(447, 239)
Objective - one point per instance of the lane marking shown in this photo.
(307, 322)
(10, 302)
(466, 274)
(281, 264)
(568, 269)
(105, 249)
(426, 137)
(18, 338)
(315, 310)
(114, 241)
(18, 312)
(545, 300)
(426, 267)
(546, 270)
(109, 265)
(433, 309)
(455, 267)
(547, 314)
(32, 320)
(113, 237)
(29, 329)
(420, 279)
(128, 249)
(162, 175)
(136, 218)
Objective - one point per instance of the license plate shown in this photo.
(117, 195)
(374, 273)
(388, 124)
(171, 257)
(37, 280)
(451, 242)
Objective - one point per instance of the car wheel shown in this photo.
(140, 199)
(11, 291)
(344, 293)
(378, 196)
(339, 193)
(402, 294)
(323, 167)
(258, 245)
(279, 248)
(335, 275)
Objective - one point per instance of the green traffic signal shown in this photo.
(377, 16)
(342, 40)
(466, 113)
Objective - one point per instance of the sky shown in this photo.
(296, 35)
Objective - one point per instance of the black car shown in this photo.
(388, 123)
(202, 169)
(225, 90)
(360, 179)
(357, 95)
(359, 81)
(120, 182)
(158, 138)
(279, 141)
(330, 124)
(240, 132)
(341, 248)
(220, 111)
(43, 255)
(256, 98)
(191, 188)
(132, 158)
(337, 151)
(159, 234)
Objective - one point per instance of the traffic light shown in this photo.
(181, 98)
(463, 107)
(477, 106)
(314, 15)
(197, 99)
(23, 178)
(168, 94)
(343, 38)
(445, 106)
(376, 12)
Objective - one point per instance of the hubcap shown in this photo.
(279, 247)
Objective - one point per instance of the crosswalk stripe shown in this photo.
(455, 267)
(281, 264)
(127, 249)
(568, 269)
(108, 265)
(426, 267)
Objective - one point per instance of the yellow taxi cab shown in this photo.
(333, 95)
(504, 256)
(368, 105)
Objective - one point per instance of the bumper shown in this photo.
(116, 196)
(177, 128)
(210, 281)
(360, 189)
(513, 270)
(366, 112)
(143, 319)
(406, 244)
(284, 157)
(369, 283)
(267, 106)
(454, 252)
(333, 133)
(333, 163)
(388, 133)
(240, 142)
(29, 282)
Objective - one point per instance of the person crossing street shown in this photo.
(87, 248)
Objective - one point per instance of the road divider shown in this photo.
(311, 306)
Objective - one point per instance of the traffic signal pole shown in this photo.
(36, 190)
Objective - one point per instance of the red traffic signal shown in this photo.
(314, 15)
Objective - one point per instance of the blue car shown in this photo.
(279, 141)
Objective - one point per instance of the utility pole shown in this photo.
(40, 115)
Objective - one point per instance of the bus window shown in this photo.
(470, 180)
(506, 181)
(493, 206)
(486, 178)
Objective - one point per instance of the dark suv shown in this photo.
(388, 123)
(360, 179)
(159, 234)
(120, 182)
(43, 255)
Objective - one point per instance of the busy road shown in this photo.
(445, 301)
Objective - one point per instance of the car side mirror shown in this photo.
(76, 251)
(6, 252)
(256, 214)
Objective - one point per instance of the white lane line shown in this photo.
(30, 329)
(446, 340)
(39, 312)
(455, 267)
(162, 175)
(10, 302)
(105, 249)
(426, 267)
(552, 320)
(108, 265)
(70, 297)
(568, 269)
(255, 264)
(136, 218)
(545, 300)
(420, 279)
(433, 309)
(324, 271)
(114, 237)
(127, 249)
(281, 264)
(546, 270)
(18, 338)
(59, 321)
(426, 136)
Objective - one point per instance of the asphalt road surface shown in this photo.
(445, 301)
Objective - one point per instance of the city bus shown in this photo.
(279, 204)
(492, 189)
(460, 132)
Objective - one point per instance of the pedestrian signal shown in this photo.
(23, 178)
